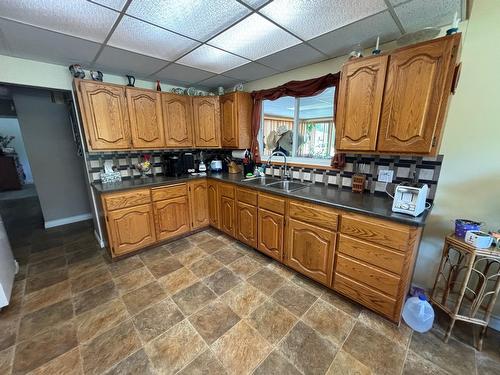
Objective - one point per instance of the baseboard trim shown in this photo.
(67, 220)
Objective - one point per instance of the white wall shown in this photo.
(10, 126)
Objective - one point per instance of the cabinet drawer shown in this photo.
(246, 196)
(313, 214)
(226, 190)
(369, 275)
(168, 192)
(389, 260)
(128, 199)
(272, 203)
(381, 232)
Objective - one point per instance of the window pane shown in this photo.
(277, 129)
(316, 131)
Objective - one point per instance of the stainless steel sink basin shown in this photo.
(287, 186)
(260, 180)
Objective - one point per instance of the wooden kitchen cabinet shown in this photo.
(227, 212)
(206, 121)
(270, 233)
(198, 202)
(131, 228)
(360, 103)
(309, 250)
(246, 223)
(213, 203)
(177, 120)
(236, 118)
(171, 217)
(146, 121)
(104, 114)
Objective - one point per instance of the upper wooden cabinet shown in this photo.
(397, 103)
(146, 123)
(206, 120)
(236, 118)
(177, 119)
(104, 113)
(198, 202)
(360, 102)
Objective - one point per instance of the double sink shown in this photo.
(274, 183)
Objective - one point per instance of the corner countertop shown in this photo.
(373, 205)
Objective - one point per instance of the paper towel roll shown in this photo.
(238, 154)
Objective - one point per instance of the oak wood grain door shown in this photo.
(270, 233)
(246, 223)
(171, 217)
(206, 121)
(309, 250)
(146, 122)
(131, 228)
(360, 103)
(105, 116)
(177, 119)
(227, 218)
(213, 203)
(198, 202)
(415, 97)
(229, 120)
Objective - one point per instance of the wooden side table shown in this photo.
(467, 284)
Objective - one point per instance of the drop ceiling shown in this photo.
(207, 43)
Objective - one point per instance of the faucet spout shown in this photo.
(280, 153)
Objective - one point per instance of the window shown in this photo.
(302, 128)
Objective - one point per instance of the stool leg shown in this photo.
(448, 331)
(481, 337)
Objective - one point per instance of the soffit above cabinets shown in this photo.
(207, 42)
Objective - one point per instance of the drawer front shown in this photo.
(168, 192)
(272, 203)
(313, 214)
(381, 232)
(129, 199)
(369, 275)
(226, 190)
(246, 196)
(368, 297)
(389, 260)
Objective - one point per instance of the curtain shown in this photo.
(296, 89)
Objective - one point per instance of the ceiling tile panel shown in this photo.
(178, 72)
(417, 14)
(134, 35)
(255, 3)
(365, 32)
(219, 80)
(114, 4)
(254, 37)
(250, 72)
(29, 42)
(310, 18)
(212, 59)
(119, 61)
(198, 19)
(82, 19)
(292, 58)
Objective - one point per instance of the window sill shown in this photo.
(311, 165)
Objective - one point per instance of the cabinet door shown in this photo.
(360, 102)
(229, 120)
(213, 203)
(246, 224)
(105, 116)
(177, 119)
(227, 215)
(146, 123)
(415, 96)
(171, 217)
(131, 229)
(198, 202)
(309, 250)
(206, 116)
(270, 234)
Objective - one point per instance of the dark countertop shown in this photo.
(373, 205)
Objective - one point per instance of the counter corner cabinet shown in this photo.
(236, 118)
(206, 121)
(397, 103)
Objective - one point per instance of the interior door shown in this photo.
(227, 215)
(270, 233)
(177, 118)
(198, 202)
(206, 117)
(229, 122)
(171, 217)
(246, 223)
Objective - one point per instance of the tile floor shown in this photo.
(201, 305)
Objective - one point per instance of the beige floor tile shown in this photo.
(190, 256)
(143, 297)
(342, 303)
(310, 285)
(416, 365)
(206, 363)
(124, 266)
(272, 321)
(222, 281)
(8, 329)
(163, 267)
(206, 266)
(281, 269)
(89, 280)
(155, 320)
(245, 267)
(135, 364)
(294, 298)
(88, 265)
(6, 358)
(266, 281)
(193, 298)
(68, 363)
(243, 299)
(227, 255)
(275, 363)
(178, 246)
(177, 280)
(46, 296)
(346, 364)
(200, 237)
(399, 334)
(94, 297)
(157, 254)
(214, 320)
(133, 280)
(211, 246)
(46, 265)
(46, 279)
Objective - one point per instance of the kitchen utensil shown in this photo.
(234, 168)
(464, 225)
(96, 75)
(358, 183)
(131, 80)
(476, 238)
(409, 198)
(77, 71)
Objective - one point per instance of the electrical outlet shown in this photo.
(385, 175)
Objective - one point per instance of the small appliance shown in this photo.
(172, 166)
(188, 162)
(409, 198)
(476, 238)
(216, 165)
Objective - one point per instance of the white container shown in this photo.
(418, 313)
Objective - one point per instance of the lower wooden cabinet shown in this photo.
(270, 233)
(227, 215)
(213, 203)
(246, 223)
(131, 229)
(171, 217)
(198, 202)
(309, 250)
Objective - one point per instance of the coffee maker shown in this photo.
(173, 165)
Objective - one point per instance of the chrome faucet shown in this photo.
(285, 171)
